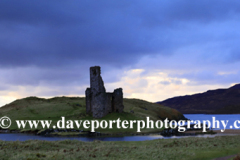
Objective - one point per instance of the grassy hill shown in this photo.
(74, 108)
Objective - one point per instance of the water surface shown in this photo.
(230, 117)
(25, 137)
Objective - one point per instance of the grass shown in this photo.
(164, 149)
(74, 108)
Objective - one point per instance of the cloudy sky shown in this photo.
(153, 49)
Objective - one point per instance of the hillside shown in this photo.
(219, 101)
(74, 108)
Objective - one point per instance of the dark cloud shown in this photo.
(36, 13)
(55, 42)
(49, 33)
(47, 77)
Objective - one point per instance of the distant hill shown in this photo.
(74, 108)
(219, 101)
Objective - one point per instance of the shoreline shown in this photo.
(227, 131)
(81, 133)
(98, 134)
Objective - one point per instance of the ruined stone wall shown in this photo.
(109, 102)
(118, 100)
(98, 102)
(88, 100)
(99, 105)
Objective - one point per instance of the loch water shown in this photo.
(229, 119)
(25, 137)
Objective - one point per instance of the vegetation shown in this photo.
(164, 149)
(73, 108)
(219, 101)
(33, 108)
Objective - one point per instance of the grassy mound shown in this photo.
(74, 108)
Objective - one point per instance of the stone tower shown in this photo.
(98, 102)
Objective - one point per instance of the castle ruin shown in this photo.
(99, 102)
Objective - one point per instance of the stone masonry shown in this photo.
(98, 102)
